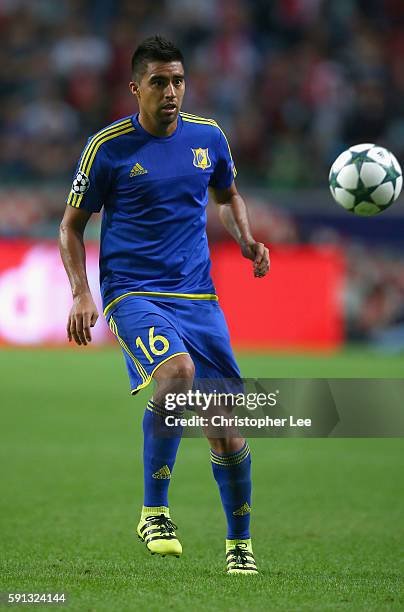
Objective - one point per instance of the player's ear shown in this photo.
(134, 89)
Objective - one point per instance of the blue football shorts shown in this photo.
(152, 331)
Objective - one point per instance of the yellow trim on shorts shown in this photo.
(146, 378)
(185, 296)
(141, 371)
(144, 384)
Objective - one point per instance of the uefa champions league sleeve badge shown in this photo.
(81, 183)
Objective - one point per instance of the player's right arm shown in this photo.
(83, 314)
(87, 195)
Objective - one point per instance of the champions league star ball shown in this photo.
(81, 183)
(366, 179)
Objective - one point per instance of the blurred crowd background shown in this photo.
(292, 82)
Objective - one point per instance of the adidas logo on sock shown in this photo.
(245, 509)
(163, 473)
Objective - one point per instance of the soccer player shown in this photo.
(151, 173)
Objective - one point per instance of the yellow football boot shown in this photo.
(158, 532)
(240, 557)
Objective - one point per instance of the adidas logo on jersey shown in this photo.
(245, 509)
(163, 473)
(136, 170)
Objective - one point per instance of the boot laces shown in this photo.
(239, 554)
(164, 523)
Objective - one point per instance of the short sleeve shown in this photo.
(91, 179)
(225, 171)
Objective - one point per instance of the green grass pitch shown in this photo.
(328, 519)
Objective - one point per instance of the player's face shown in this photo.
(160, 91)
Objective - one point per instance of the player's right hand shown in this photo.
(83, 315)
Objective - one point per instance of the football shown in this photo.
(365, 179)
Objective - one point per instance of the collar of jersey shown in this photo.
(163, 139)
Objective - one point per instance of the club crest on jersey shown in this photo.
(81, 183)
(201, 158)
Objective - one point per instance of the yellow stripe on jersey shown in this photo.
(71, 195)
(108, 130)
(76, 202)
(123, 127)
(201, 120)
(185, 296)
(190, 116)
(89, 161)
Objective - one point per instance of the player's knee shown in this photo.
(178, 368)
(175, 376)
(186, 370)
(226, 446)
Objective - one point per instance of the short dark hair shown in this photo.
(154, 49)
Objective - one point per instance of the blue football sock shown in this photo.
(159, 452)
(233, 476)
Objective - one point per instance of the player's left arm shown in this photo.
(234, 216)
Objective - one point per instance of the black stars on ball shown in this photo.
(361, 193)
(334, 180)
(391, 175)
(358, 158)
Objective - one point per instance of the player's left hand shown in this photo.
(259, 254)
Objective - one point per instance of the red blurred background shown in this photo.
(297, 307)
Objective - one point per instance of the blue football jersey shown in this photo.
(154, 193)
